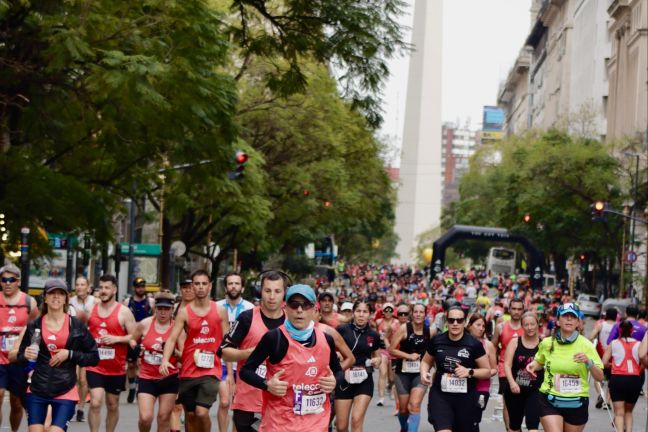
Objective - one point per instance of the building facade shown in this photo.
(459, 144)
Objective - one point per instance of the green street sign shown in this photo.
(150, 249)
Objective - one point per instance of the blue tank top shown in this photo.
(141, 309)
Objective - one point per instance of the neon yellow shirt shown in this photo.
(483, 300)
(562, 375)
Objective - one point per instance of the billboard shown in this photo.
(493, 119)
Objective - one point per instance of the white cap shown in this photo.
(346, 306)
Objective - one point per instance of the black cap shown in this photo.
(139, 281)
(186, 281)
(326, 294)
(54, 284)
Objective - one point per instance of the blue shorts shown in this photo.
(62, 411)
(225, 373)
(14, 379)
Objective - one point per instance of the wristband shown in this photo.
(589, 364)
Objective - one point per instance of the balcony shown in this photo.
(617, 8)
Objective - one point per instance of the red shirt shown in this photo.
(112, 358)
(13, 319)
(204, 334)
(508, 333)
(304, 407)
(247, 397)
(56, 341)
(152, 349)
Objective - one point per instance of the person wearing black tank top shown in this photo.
(521, 395)
(408, 347)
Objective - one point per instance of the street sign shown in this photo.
(631, 257)
(150, 249)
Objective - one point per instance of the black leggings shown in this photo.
(524, 405)
(245, 420)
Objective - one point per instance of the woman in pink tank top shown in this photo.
(477, 329)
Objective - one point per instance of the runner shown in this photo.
(152, 333)
(201, 371)
(234, 303)
(408, 347)
(460, 360)
(600, 333)
(387, 328)
(82, 303)
(353, 394)
(504, 332)
(638, 330)
(329, 316)
(626, 381)
(477, 329)
(64, 344)
(567, 358)
(142, 307)
(521, 395)
(301, 363)
(186, 296)
(111, 325)
(244, 335)
(347, 310)
(16, 310)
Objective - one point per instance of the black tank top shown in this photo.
(522, 357)
(413, 343)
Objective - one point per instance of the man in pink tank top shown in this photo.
(16, 310)
(244, 336)
(111, 325)
(201, 371)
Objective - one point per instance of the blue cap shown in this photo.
(569, 308)
(303, 290)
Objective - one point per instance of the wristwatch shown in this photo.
(471, 372)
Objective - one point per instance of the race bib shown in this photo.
(106, 353)
(8, 342)
(453, 384)
(308, 404)
(153, 358)
(357, 375)
(523, 378)
(204, 359)
(411, 366)
(568, 384)
(262, 371)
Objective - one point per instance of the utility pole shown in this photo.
(131, 239)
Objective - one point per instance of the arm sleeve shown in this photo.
(237, 332)
(266, 347)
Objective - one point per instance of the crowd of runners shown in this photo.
(307, 357)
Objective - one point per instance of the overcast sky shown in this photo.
(481, 39)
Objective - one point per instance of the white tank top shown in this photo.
(604, 334)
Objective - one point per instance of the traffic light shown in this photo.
(241, 159)
(3, 228)
(526, 218)
(599, 209)
(582, 257)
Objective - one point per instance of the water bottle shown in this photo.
(35, 343)
(482, 405)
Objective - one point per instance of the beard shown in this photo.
(107, 299)
(233, 295)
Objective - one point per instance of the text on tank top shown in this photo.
(112, 358)
(204, 336)
(13, 319)
(508, 333)
(522, 357)
(152, 352)
(304, 406)
(57, 340)
(247, 397)
(413, 343)
(625, 357)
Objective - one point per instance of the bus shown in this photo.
(500, 260)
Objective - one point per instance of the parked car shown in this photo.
(619, 304)
(589, 305)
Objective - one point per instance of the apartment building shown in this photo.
(458, 145)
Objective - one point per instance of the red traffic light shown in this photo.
(526, 218)
(241, 157)
(582, 257)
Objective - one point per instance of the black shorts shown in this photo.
(245, 420)
(14, 379)
(625, 388)
(572, 416)
(133, 353)
(457, 412)
(503, 385)
(201, 391)
(157, 387)
(113, 384)
(344, 390)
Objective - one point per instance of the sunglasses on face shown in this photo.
(388, 310)
(294, 305)
(456, 320)
(9, 279)
(403, 313)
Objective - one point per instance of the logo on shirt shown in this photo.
(204, 330)
(12, 312)
(463, 353)
(311, 372)
(370, 340)
(12, 319)
(103, 324)
(311, 360)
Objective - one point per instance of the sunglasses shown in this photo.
(9, 279)
(388, 310)
(403, 313)
(294, 305)
(456, 320)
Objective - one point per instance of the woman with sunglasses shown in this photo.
(408, 346)
(477, 329)
(353, 394)
(460, 360)
(567, 358)
(301, 371)
(521, 394)
(152, 332)
(387, 328)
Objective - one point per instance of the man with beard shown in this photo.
(16, 310)
(141, 307)
(201, 372)
(111, 324)
(234, 304)
(244, 336)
